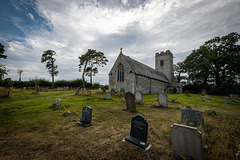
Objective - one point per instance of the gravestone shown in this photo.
(208, 99)
(139, 98)
(130, 101)
(122, 92)
(226, 100)
(192, 117)
(163, 99)
(99, 90)
(86, 117)
(108, 96)
(89, 93)
(58, 102)
(139, 132)
(187, 142)
(77, 91)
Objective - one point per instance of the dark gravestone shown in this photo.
(86, 117)
(130, 101)
(139, 132)
(108, 96)
(186, 142)
(192, 117)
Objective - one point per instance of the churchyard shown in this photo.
(34, 127)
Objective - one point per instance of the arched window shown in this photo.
(120, 75)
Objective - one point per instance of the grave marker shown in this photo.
(187, 142)
(163, 99)
(139, 98)
(108, 96)
(86, 117)
(226, 100)
(192, 117)
(89, 93)
(139, 132)
(130, 101)
(58, 102)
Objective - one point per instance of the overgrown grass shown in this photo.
(32, 129)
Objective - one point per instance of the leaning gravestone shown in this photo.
(139, 98)
(130, 101)
(139, 132)
(58, 102)
(86, 117)
(186, 142)
(163, 99)
(108, 96)
(192, 117)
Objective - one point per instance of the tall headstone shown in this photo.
(163, 99)
(86, 117)
(139, 98)
(130, 101)
(139, 132)
(192, 117)
(99, 90)
(186, 142)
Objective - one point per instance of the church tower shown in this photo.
(164, 64)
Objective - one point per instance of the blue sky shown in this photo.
(141, 27)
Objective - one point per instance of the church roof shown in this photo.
(144, 70)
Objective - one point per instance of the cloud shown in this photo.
(141, 27)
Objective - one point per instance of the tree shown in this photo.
(47, 57)
(216, 61)
(178, 70)
(91, 60)
(90, 71)
(3, 70)
(19, 71)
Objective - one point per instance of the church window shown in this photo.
(120, 77)
(162, 63)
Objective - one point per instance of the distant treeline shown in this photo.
(41, 82)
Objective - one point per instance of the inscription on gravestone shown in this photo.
(186, 142)
(139, 98)
(130, 101)
(139, 132)
(86, 117)
(192, 117)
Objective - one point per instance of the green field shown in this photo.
(32, 129)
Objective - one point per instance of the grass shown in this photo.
(31, 129)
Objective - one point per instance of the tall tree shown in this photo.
(90, 71)
(91, 60)
(216, 61)
(178, 71)
(47, 57)
(19, 71)
(3, 70)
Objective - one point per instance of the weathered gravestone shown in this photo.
(163, 99)
(139, 132)
(186, 142)
(58, 102)
(139, 98)
(108, 96)
(86, 117)
(130, 101)
(226, 100)
(89, 92)
(208, 99)
(99, 90)
(192, 117)
(77, 91)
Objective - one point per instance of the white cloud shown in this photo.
(141, 27)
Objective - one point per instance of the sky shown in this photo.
(141, 27)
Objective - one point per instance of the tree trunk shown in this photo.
(84, 73)
(52, 74)
(91, 77)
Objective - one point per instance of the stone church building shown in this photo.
(132, 76)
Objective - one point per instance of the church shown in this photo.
(132, 76)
